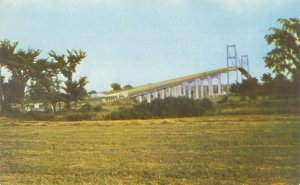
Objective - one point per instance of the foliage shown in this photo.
(92, 92)
(74, 90)
(115, 86)
(31, 115)
(21, 66)
(86, 108)
(77, 116)
(285, 57)
(168, 107)
(97, 108)
(249, 87)
(45, 85)
(279, 86)
(40, 76)
(126, 87)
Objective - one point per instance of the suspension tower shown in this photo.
(231, 61)
(234, 61)
(245, 62)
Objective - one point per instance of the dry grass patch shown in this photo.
(256, 149)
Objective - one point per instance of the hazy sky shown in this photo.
(143, 41)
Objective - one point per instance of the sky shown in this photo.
(144, 41)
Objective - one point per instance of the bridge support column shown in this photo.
(148, 96)
(169, 92)
(219, 84)
(197, 88)
(184, 89)
(175, 91)
(155, 94)
(201, 88)
(210, 86)
(139, 98)
(179, 90)
(162, 94)
(189, 90)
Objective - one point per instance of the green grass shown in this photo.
(254, 149)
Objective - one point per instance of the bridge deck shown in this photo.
(167, 83)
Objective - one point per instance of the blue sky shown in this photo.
(143, 41)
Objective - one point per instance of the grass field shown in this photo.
(254, 149)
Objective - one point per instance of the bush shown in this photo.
(78, 116)
(224, 99)
(34, 115)
(169, 107)
(86, 108)
(98, 108)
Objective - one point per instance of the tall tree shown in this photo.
(266, 78)
(44, 83)
(7, 51)
(20, 64)
(67, 65)
(75, 90)
(267, 83)
(285, 57)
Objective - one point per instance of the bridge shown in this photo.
(193, 86)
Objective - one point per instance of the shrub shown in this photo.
(224, 99)
(34, 115)
(78, 116)
(169, 107)
(86, 108)
(98, 108)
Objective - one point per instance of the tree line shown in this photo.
(284, 62)
(32, 78)
(51, 79)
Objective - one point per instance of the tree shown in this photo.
(280, 86)
(266, 78)
(20, 64)
(267, 81)
(115, 86)
(44, 83)
(7, 50)
(126, 87)
(249, 87)
(74, 90)
(92, 92)
(285, 57)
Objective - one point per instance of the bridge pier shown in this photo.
(219, 84)
(197, 88)
(179, 90)
(189, 90)
(201, 88)
(162, 94)
(184, 88)
(148, 96)
(155, 94)
(174, 91)
(210, 86)
(139, 98)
